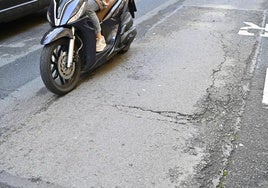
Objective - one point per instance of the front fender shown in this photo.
(55, 34)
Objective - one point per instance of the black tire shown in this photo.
(53, 67)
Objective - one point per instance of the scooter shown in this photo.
(70, 45)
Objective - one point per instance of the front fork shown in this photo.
(71, 49)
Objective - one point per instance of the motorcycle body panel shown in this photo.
(55, 34)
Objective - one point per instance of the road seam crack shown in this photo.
(170, 116)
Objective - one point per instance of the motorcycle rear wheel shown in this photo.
(53, 67)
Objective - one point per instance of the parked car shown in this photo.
(13, 9)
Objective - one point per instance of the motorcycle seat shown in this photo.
(101, 14)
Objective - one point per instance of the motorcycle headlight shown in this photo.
(78, 14)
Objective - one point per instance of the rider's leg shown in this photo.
(91, 12)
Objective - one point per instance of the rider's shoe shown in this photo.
(100, 44)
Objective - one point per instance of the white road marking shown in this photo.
(18, 48)
(246, 33)
(22, 94)
(154, 12)
(252, 26)
(9, 58)
(265, 91)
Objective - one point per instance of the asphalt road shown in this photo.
(248, 163)
(20, 47)
(182, 108)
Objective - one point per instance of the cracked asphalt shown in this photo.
(169, 113)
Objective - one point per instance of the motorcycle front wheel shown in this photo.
(57, 77)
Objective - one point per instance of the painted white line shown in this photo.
(265, 91)
(154, 12)
(245, 33)
(250, 27)
(25, 92)
(9, 58)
